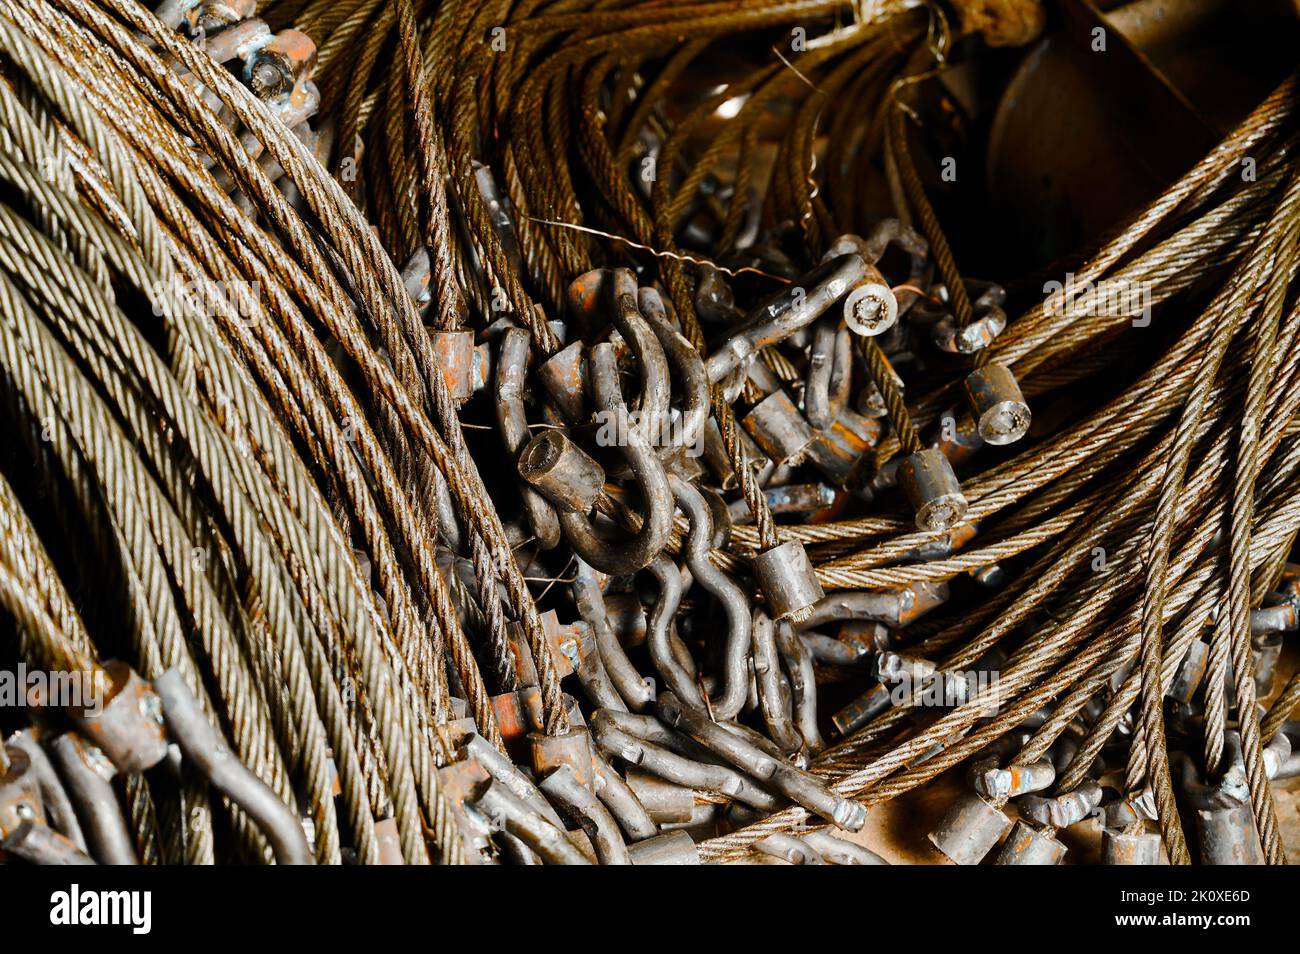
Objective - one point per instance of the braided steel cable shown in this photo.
(320, 452)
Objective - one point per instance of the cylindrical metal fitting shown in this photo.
(788, 581)
(1029, 846)
(562, 470)
(1228, 836)
(455, 356)
(779, 429)
(665, 801)
(1130, 848)
(970, 829)
(932, 487)
(870, 308)
(998, 404)
(670, 848)
(972, 337)
(564, 376)
(588, 294)
(272, 69)
(862, 709)
(840, 448)
(573, 749)
(128, 726)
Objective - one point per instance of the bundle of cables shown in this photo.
(561, 431)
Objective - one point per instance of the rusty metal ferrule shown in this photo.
(459, 784)
(1027, 845)
(572, 748)
(645, 544)
(666, 802)
(716, 460)
(670, 848)
(870, 308)
(972, 337)
(1267, 650)
(735, 669)
(774, 698)
(174, 12)
(576, 800)
(417, 277)
(915, 673)
(788, 581)
(714, 299)
(788, 499)
(1225, 822)
(998, 404)
(273, 69)
(863, 709)
(799, 786)
(1282, 618)
(781, 315)
(564, 376)
(1191, 672)
(970, 829)
(298, 105)
(840, 451)
(958, 436)
(1124, 847)
(932, 488)
(568, 476)
(588, 295)
(455, 356)
(779, 429)
(203, 746)
(128, 727)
